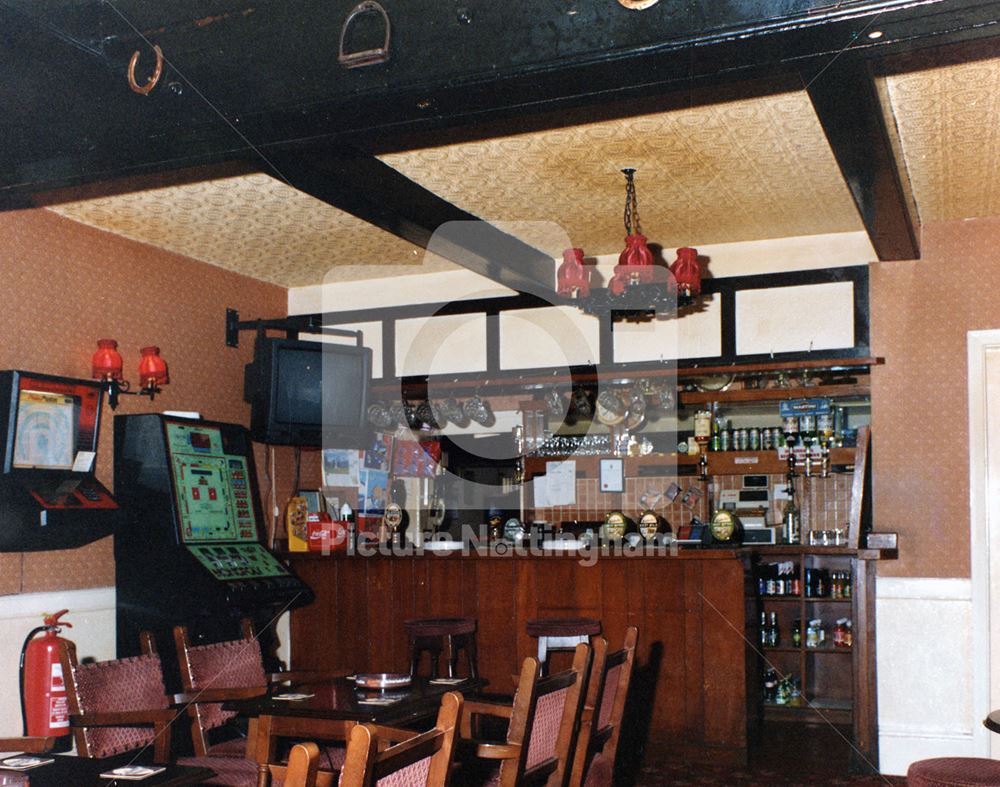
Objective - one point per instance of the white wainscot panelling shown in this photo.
(924, 656)
(554, 337)
(693, 335)
(807, 317)
(92, 613)
(441, 345)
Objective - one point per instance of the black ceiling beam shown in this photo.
(269, 75)
(847, 104)
(363, 186)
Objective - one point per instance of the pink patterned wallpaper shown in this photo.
(921, 313)
(66, 285)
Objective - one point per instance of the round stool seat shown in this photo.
(439, 627)
(563, 627)
(954, 772)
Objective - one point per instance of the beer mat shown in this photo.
(132, 772)
(291, 696)
(23, 763)
(448, 681)
(378, 701)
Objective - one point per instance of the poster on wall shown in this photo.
(414, 459)
(373, 492)
(340, 467)
(377, 455)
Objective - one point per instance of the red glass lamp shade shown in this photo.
(107, 362)
(687, 272)
(573, 279)
(152, 368)
(635, 265)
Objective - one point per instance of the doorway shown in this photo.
(984, 504)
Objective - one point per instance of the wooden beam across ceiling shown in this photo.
(363, 186)
(847, 104)
(241, 76)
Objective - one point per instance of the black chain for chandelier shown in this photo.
(631, 204)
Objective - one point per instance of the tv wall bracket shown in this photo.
(292, 326)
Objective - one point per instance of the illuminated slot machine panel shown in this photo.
(191, 551)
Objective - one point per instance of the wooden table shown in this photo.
(68, 770)
(334, 707)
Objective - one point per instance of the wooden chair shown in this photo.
(121, 705)
(303, 766)
(543, 720)
(603, 710)
(374, 752)
(221, 671)
(412, 759)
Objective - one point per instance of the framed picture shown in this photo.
(612, 475)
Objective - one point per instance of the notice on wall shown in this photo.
(557, 487)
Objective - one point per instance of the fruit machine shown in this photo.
(49, 496)
(190, 549)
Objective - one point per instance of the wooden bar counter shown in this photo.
(690, 686)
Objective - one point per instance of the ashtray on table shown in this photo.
(382, 680)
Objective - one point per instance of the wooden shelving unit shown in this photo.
(837, 684)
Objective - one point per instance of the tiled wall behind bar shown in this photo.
(824, 502)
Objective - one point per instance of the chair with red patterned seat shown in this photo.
(544, 721)
(121, 705)
(603, 711)
(388, 757)
(230, 670)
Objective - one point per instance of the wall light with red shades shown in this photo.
(107, 365)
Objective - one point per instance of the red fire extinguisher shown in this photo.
(44, 709)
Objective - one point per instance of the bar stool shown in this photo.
(950, 771)
(561, 634)
(430, 634)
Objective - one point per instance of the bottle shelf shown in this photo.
(781, 649)
(827, 710)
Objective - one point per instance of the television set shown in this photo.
(308, 393)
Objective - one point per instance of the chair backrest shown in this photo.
(545, 721)
(303, 765)
(604, 708)
(232, 664)
(423, 760)
(118, 686)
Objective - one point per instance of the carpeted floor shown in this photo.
(788, 755)
(712, 776)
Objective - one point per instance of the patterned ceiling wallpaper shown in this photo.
(947, 105)
(734, 171)
(255, 225)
